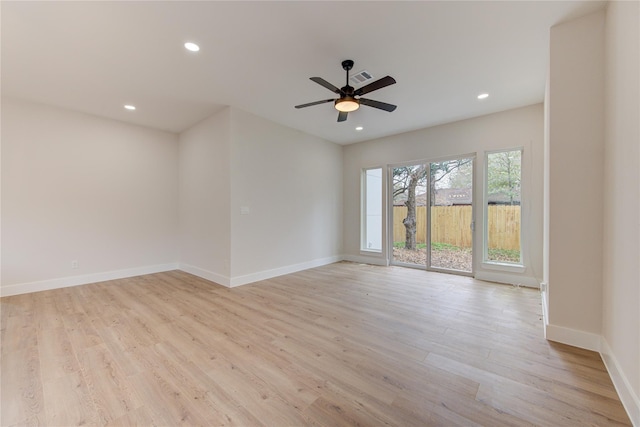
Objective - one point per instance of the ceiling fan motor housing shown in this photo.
(347, 64)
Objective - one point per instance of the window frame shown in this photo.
(364, 222)
(486, 262)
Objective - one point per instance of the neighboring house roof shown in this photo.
(502, 198)
(456, 196)
(453, 196)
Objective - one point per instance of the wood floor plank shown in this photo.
(171, 373)
(21, 385)
(117, 347)
(111, 393)
(140, 417)
(68, 402)
(343, 344)
(255, 395)
(57, 357)
(336, 412)
(80, 330)
(165, 401)
(519, 398)
(47, 315)
(215, 402)
(453, 410)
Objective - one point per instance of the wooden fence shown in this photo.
(451, 224)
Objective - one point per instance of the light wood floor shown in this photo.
(344, 344)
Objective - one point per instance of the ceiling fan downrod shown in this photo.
(347, 65)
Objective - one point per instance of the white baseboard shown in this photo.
(545, 311)
(363, 259)
(509, 278)
(588, 341)
(205, 274)
(628, 397)
(65, 282)
(573, 337)
(630, 400)
(268, 274)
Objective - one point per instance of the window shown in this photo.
(372, 210)
(502, 207)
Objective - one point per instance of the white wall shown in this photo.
(594, 211)
(621, 243)
(291, 184)
(522, 127)
(576, 149)
(78, 187)
(124, 200)
(205, 194)
(545, 209)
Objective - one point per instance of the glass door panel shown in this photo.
(451, 215)
(409, 215)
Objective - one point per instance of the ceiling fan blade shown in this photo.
(324, 101)
(377, 104)
(378, 84)
(323, 82)
(342, 116)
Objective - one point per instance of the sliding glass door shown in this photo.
(432, 215)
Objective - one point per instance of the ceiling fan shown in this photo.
(348, 101)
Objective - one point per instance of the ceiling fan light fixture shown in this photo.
(347, 104)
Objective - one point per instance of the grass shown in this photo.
(502, 255)
(435, 246)
(505, 255)
(400, 245)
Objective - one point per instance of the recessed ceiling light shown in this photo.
(130, 107)
(192, 47)
(483, 96)
(359, 128)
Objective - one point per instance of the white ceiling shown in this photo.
(95, 57)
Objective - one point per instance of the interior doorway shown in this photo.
(432, 215)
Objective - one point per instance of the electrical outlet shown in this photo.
(74, 263)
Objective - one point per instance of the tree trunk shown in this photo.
(410, 221)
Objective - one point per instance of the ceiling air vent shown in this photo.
(360, 78)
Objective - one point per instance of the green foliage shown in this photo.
(500, 255)
(401, 245)
(504, 255)
(463, 176)
(436, 246)
(504, 174)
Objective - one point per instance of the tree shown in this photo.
(451, 171)
(463, 177)
(408, 178)
(405, 182)
(504, 174)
